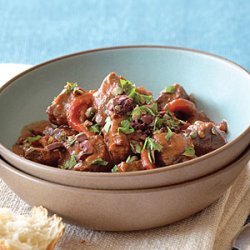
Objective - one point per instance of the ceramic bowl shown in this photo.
(123, 210)
(221, 88)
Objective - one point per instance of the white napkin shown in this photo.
(213, 228)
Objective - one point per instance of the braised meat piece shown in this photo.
(57, 111)
(98, 159)
(43, 156)
(206, 137)
(117, 142)
(129, 167)
(173, 148)
(109, 88)
(171, 93)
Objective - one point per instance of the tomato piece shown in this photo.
(76, 113)
(146, 161)
(182, 105)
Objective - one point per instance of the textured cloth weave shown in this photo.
(213, 228)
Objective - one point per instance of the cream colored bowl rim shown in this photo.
(244, 157)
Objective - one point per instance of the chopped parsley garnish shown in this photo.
(155, 108)
(99, 162)
(131, 159)
(130, 90)
(107, 124)
(114, 169)
(70, 87)
(139, 110)
(135, 147)
(126, 127)
(158, 123)
(189, 151)
(170, 89)
(70, 163)
(169, 134)
(94, 128)
(32, 138)
(150, 144)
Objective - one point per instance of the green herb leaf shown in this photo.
(94, 128)
(169, 134)
(32, 138)
(107, 124)
(126, 127)
(141, 99)
(130, 90)
(131, 158)
(158, 123)
(150, 156)
(189, 151)
(114, 169)
(70, 163)
(99, 162)
(127, 86)
(135, 146)
(155, 108)
(170, 89)
(70, 86)
(150, 144)
(139, 110)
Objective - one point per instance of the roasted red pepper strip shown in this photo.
(146, 161)
(76, 113)
(182, 105)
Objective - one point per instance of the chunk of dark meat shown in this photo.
(104, 94)
(128, 167)
(98, 150)
(164, 97)
(172, 149)
(43, 156)
(57, 111)
(118, 143)
(206, 137)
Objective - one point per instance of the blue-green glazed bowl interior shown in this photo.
(221, 88)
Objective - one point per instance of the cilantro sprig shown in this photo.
(170, 89)
(135, 147)
(169, 134)
(70, 163)
(94, 128)
(189, 151)
(151, 144)
(114, 169)
(126, 127)
(138, 111)
(99, 162)
(130, 90)
(107, 124)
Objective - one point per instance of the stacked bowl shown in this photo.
(133, 200)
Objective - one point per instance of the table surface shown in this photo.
(35, 31)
